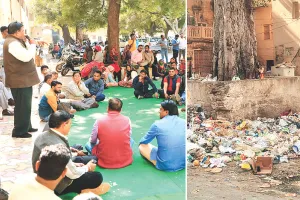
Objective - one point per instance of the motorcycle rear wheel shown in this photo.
(65, 71)
(59, 67)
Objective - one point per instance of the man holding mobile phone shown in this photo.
(21, 75)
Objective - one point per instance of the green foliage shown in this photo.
(148, 15)
(260, 3)
(48, 11)
(91, 14)
(143, 16)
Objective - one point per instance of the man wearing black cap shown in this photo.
(21, 75)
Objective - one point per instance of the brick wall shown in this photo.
(246, 99)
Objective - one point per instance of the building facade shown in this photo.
(14, 10)
(263, 22)
(200, 36)
(286, 32)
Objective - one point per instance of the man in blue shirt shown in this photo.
(96, 86)
(175, 44)
(141, 84)
(169, 132)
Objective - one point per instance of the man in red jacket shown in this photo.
(110, 139)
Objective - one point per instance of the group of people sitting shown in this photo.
(65, 169)
(140, 67)
(77, 96)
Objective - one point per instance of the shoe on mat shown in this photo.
(26, 135)
(33, 130)
(11, 102)
(7, 113)
(102, 189)
(140, 97)
(94, 105)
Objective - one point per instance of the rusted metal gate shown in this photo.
(202, 62)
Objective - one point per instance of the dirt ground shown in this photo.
(235, 183)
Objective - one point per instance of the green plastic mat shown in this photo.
(139, 180)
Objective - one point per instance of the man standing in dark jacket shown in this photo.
(141, 84)
(21, 75)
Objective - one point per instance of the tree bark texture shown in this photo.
(79, 33)
(167, 29)
(234, 46)
(66, 34)
(113, 28)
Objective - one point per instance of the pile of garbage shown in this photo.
(218, 142)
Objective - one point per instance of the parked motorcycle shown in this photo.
(68, 50)
(73, 63)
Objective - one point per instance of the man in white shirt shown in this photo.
(51, 169)
(45, 85)
(182, 46)
(20, 76)
(164, 48)
(4, 32)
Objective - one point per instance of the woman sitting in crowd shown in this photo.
(130, 75)
(97, 63)
(126, 56)
(108, 76)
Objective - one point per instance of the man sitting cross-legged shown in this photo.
(171, 87)
(112, 132)
(78, 91)
(50, 168)
(78, 156)
(169, 132)
(50, 102)
(96, 86)
(79, 178)
(137, 58)
(141, 83)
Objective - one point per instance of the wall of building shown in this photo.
(286, 32)
(14, 10)
(200, 35)
(247, 99)
(265, 47)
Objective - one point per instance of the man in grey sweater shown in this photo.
(79, 177)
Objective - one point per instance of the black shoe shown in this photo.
(11, 102)
(26, 135)
(7, 113)
(33, 130)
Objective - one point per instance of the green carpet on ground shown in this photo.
(139, 180)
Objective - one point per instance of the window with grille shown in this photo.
(267, 32)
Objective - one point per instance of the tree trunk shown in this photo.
(113, 28)
(167, 29)
(234, 46)
(66, 34)
(152, 29)
(79, 33)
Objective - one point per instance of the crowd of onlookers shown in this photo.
(61, 168)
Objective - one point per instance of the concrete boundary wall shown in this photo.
(246, 99)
